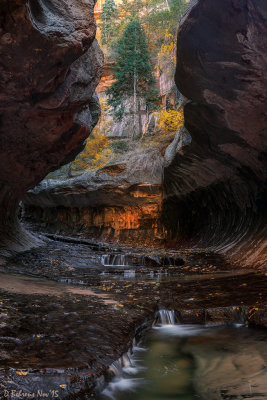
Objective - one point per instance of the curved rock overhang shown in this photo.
(215, 185)
(50, 67)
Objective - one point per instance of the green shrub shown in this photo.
(120, 146)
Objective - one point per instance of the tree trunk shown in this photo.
(135, 104)
(140, 131)
(167, 4)
(135, 93)
(146, 124)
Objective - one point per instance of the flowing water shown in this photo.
(189, 362)
(74, 308)
(118, 260)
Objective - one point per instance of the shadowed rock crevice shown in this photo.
(13, 236)
(215, 187)
(50, 67)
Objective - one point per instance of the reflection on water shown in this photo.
(160, 276)
(189, 362)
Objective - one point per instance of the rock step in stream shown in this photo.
(187, 362)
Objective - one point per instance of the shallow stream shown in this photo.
(68, 310)
(189, 362)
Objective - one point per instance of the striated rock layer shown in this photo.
(215, 183)
(121, 201)
(50, 67)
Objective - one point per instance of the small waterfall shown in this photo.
(124, 362)
(167, 317)
(122, 373)
(116, 367)
(119, 260)
(127, 361)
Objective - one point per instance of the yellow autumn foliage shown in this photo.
(96, 154)
(169, 121)
(167, 54)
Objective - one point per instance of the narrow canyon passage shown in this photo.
(133, 246)
(70, 310)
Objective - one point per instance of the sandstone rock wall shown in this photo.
(50, 67)
(121, 201)
(215, 185)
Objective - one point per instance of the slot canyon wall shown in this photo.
(215, 181)
(50, 67)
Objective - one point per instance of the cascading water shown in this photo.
(125, 363)
(123, 371)
(169, 364)
(167, 317)
(128, 365)
(118, 260)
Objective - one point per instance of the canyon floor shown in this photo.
(72, 307)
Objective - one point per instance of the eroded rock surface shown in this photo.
(50, 67)
(121, 201)
(216, 182)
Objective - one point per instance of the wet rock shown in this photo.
(216, 315)
(258, 316)
(215, 185)
(171, 260)
(50, 67)
(228, 377)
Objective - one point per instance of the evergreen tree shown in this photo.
(133, 74)
(166, 17)
(156, 16)
(109, 17)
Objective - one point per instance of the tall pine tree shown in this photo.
(109, 17)
(133, 74)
